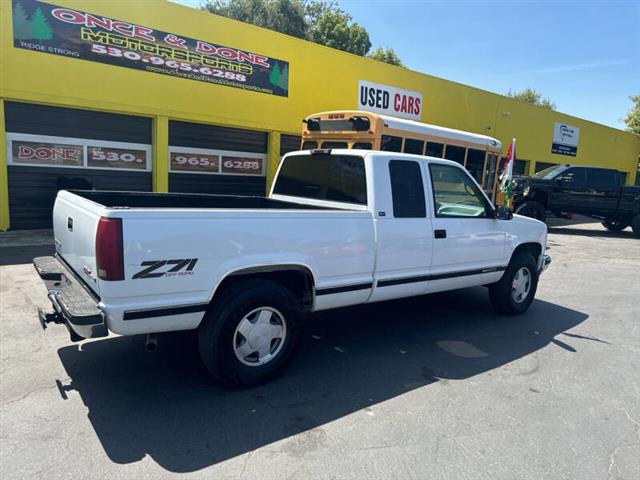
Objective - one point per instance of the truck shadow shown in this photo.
(165, 406)
(584, 232)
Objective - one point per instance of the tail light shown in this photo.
(109, 253)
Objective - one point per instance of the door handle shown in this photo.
(440, 233)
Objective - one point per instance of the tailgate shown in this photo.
(75, 221)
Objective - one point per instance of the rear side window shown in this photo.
(390, 143)
(600, 177)
(337, 178)
(411, 145)
(407, 189)
(455, 153)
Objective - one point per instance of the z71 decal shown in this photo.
(154, 268)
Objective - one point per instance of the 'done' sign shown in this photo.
(375, 97)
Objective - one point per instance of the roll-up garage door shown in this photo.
(53, 148)
(289, 143)
(219, 160)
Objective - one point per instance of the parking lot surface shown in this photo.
(429, 387)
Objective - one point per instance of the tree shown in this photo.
(320, 21)
(632, 120)
(530, 96)
(387, 55)
(40, 27)
(21, 24)
(336, 30)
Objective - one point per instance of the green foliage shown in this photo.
(21, 24)
(274, 77)
(386, 55)
(320, 21)
(532, 97)
(335, 29)
(632, 120)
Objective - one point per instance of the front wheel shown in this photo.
(614, 225)
(532, 209)
(513, 294)
(250, 334)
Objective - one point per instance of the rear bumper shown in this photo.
(73, 304)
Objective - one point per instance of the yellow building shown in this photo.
(156, 96)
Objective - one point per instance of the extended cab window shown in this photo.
(407, 189)
(602, 178)
(336, 178)
(455, 194)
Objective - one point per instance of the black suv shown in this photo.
(592, 191)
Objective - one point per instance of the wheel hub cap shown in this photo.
(259, 337)
(521, 285)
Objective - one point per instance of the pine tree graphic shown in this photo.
(284, 78)
(274, 77)
(40, 26)
(21, 25)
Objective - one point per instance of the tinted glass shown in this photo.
(353, 124)
(309, 145)
(455, 194)
(334, 144)
(540, 166)
(573, 176)
(600, 177)
(475, 163)
(411, 145)
(407, 189)
(362, 145)
(389, 143)
(548, 172)
(455, 153)
(434, 149)
(338, 178)
(520, 167)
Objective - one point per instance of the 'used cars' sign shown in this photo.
(565, 139)
(375, 97)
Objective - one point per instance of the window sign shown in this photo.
(110, 157)
(47, 151)
(220, 162)
(565, 139)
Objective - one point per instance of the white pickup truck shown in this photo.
(340, 227)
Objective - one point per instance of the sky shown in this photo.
(582, 54)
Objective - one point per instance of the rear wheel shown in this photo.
(249, 335)
(635, 225)
(614, 225)
(516, 289)
(532, 209)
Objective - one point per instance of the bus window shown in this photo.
(309, 145)
(434, 149)
(390, 143)
(362, 145)
(475, 164)
(411, 145)
(334, 144)
(455, 153)
(492, 160)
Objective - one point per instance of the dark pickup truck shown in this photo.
(592, 191)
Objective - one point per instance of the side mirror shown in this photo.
(503, 213)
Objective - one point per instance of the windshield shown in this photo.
(336, 178)
(550, 172)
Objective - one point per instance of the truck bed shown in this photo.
(117, 199)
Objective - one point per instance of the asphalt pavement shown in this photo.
(431, 387)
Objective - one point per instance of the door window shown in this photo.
(407, 189)
(455, 194)
(573, 177)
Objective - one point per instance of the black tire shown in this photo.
(532, 209)
(217, 332)
(500, 293)
(635, 225)
(614, 225)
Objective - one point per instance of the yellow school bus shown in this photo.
(479, 154)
